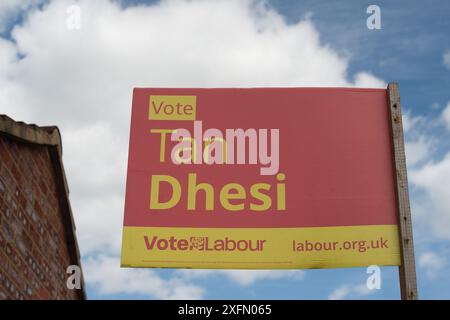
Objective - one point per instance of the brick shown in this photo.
(16, 174)
(4, 259)
(24, 243)
(2, 187)
(33, 250)
(29, 291)
(15, 277)
(22, 200)
(2, 238)
(8, 233)
(37, 211)
(22, 246)
(16, 225)
(33, 234)
(27, 273)
(6, 158)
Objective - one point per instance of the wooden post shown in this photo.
(407, 270)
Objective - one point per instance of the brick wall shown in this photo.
(33, 251)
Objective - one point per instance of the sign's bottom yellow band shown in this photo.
(260, 248)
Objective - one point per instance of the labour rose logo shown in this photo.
(197, 243)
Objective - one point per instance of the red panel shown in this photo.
(334, 150)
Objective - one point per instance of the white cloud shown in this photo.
(7, 56)
(10, 8)
(367, 80)
(428, 159)
(244, 277)
(82, 81)
(419, 144)
(103, 273)
(432, 262)
(97, 183)
(340, 293)
(433, 178)
(410, 122)
(446, 115)
(446, 59)
(348, 291)
(417, 150)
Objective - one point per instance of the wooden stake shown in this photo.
(407, 270)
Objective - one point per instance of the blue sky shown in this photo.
(39, 54)
(408, 49)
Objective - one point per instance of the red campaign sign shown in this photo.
(326, 162)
